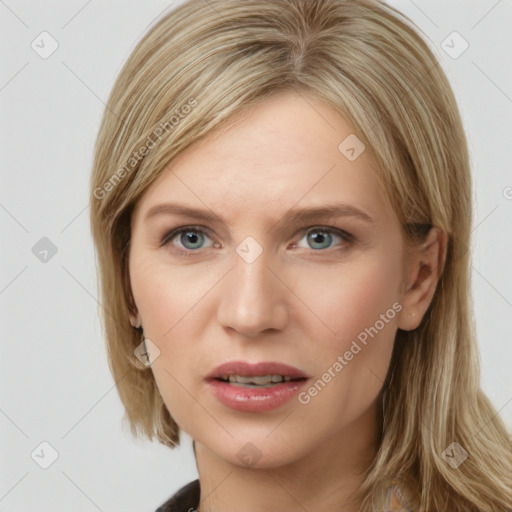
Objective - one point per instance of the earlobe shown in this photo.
(426, 263)
(135, 321)
(407, 321)
(134, 316)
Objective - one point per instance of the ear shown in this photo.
(424, 266)
(135, 320)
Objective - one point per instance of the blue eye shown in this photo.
(323, 237)
(190, 238)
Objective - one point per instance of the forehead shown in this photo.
(280, 153)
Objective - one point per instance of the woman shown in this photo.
(279, 202)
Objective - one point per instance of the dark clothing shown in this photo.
(185, 499)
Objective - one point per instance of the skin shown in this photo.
(301, 302)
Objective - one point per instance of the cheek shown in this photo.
(168, 299)
(165, 294)
(360, 308)
(350, 299)
(171, 300)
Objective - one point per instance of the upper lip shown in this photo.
(245, 369)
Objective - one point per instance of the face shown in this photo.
(226, 267)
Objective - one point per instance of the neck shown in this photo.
(324, 480)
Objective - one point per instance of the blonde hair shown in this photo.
(202, 65)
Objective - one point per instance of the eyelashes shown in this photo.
(196, 234)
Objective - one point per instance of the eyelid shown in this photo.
(328, 229)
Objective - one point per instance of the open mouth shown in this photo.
(258, 381)
(255, 387)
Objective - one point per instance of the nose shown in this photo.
(253, 298)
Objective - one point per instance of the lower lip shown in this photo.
(255, 399)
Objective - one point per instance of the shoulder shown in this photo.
(185, 499)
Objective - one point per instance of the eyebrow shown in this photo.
(294, 216)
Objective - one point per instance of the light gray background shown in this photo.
(56, 386)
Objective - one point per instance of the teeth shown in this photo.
(259, 380)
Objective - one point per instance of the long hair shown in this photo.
(202, 65)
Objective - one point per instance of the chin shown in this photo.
(260, 452)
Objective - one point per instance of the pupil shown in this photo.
(317, 235)
(191, 237)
